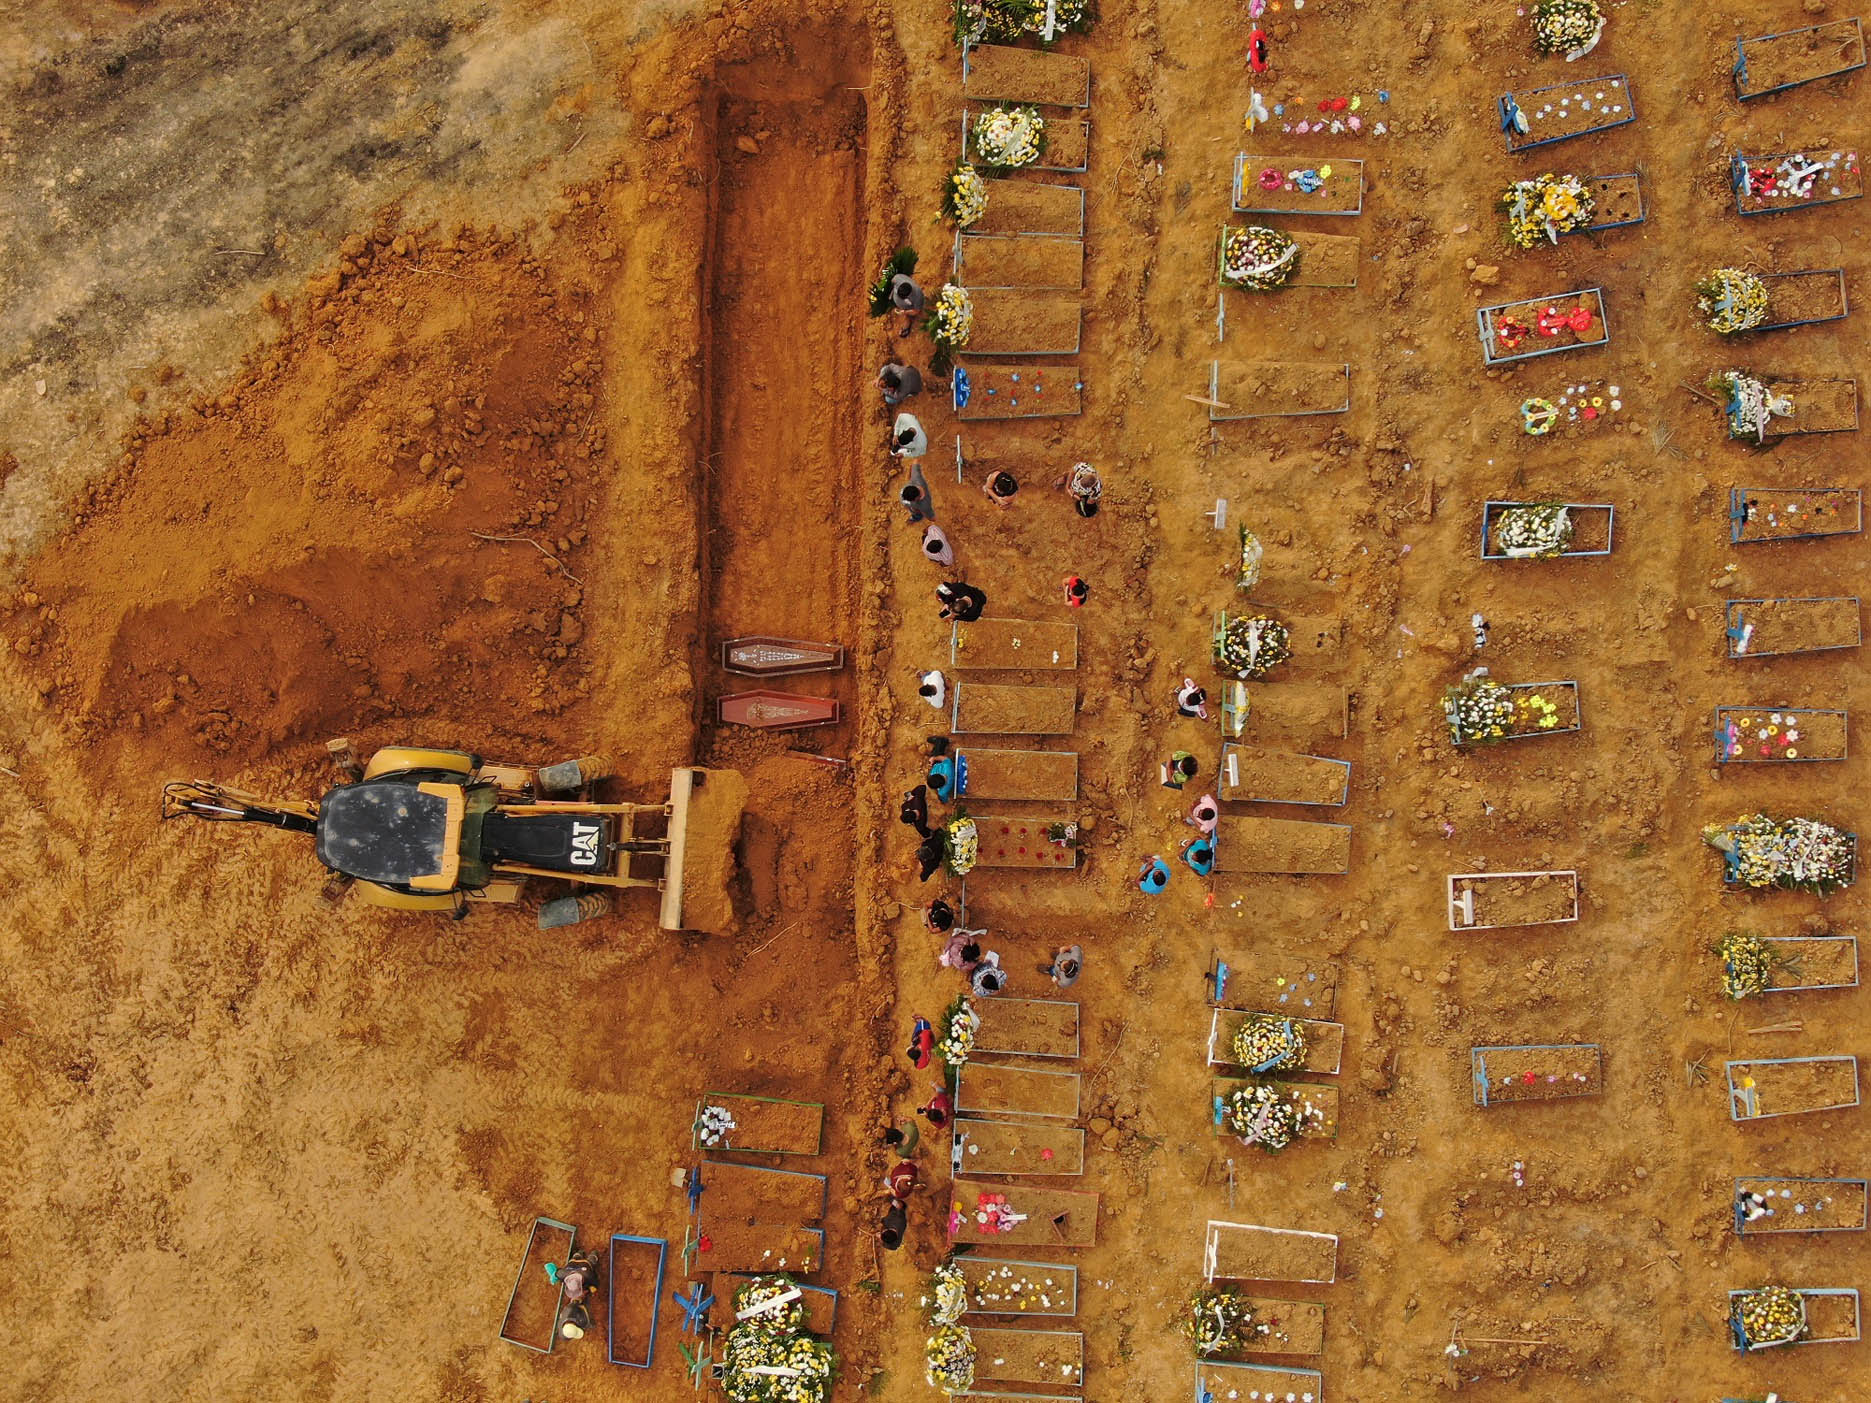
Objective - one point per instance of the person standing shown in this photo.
(936, 545)
(1085, 488)
(915, 496)
(932, 687)
(907, 439)
(1067, 961)
(908, 298)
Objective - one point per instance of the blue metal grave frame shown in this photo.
(1742, 1097)
(1738, 515)
(1741, 1229)
(1721, 735)
(1844, 300)
(1484, 326)
(1741, 58)
(1643, 211)
(1735, 620)
(1240, 169)
(1740, 1336)
(1731, 875)
(661, 1245)
(1737, 177)
(1489, 512)
(1510, 103)
(1478, 1068)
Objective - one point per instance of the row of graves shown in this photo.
(1001, 1307)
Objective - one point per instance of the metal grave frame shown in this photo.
(1738, 508)
(1739, 178)
(1741, 1228)
(1216, 416)
(1237, 191)
(967, 138)
(1741, 58)
(1485, 327)
(1721, 735)
(661, 1245)
(1489, 513)
(1478, 1071)
(1741, 1098)
(1509, 104)
(1734, 625)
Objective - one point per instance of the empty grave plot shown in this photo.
(994, 73)
(1068, 143)
(1812, 962)
(1757, 514)
(762, 1124)
(1802, 299)
(1551, 1072)
(1800, 1206)
(1819, 407)
(1282, 845)
(1017, 774)
(733, 1245)
(1030, 1357)
(985, 392)
(1542, 326)
(1023, 1215)
(1771, 735)
(1024, 207)
(1793, 180)
(1253, 1252)
(1019, 261)
(1497, 900)
(1617, 201)
(1323, 260)
(1276, 389)
(1006, 1286)
(1023, 842)
(990, 709)
(635, 1287)
(1560, 111)
(1289, 185)
(1770, 62)
(1298, 713)
(989, 645)
(1324, 1041)
(532, 1316)
(1227, 1383)
(1015, 322)
(1027, 1027)
(1590, 527)
(1254, 774)
(1831, 1318)
(1791, 1086)
(1316, 1104)
(1264, 977)
(756, 1195)
(1765, 628)
(1016, 1091)
(1283, 1327)
(1016, 1147)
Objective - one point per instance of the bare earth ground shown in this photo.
(601, 290)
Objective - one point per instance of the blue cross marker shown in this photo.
(694, 1306)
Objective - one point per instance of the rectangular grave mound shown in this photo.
(1791, 180)
(1254, 1252)
(762, 1124)
(1025, 842)
(1771, 735)
(997, 1090)
(1279, 981)
(1009, 1286)
(1253, 774)
(1318, 261)
(1831, 1318)
(1539, 709)
(1561, 111)
(984, 391)
(1296, 713)
(1022, 1215)
(1767, 628)
(1016, 774)
(1224, 1382)
(1617, 201)
(1804, 299)
(760, 1195)
(1282, 846)
(1592, 525)
(1810, 962)
(1067, 145)
(1316, 1104)
(996, 73)
(986, 708)
(1790, 1086)
(1266, 184)
(1543, 326)
(819, 1303)
(1324, 1041)
(1551, 1072)
(1793, 513)
(1014, 322)
(1027, 1027)
(988, 645)
(1036, 261)
(532, 1317)
(1283, 1327)
(735, 1246)
(1770, 63)
(1055, 1358)
(1819, 407)
(1799, 1205)
(983, 1146)
(1025, 207)
(1276, 390)
(634, 1289)
(1500, 900)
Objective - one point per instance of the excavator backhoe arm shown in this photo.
(219, 804)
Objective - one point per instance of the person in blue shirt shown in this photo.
(1154, 876)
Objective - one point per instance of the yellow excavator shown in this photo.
(433, 830)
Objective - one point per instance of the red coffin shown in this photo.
(777, 711)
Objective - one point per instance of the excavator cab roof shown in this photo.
(403, 832)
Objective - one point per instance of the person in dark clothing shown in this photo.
(908, 299)
(961, 601)
(896, 1219)
(938, 917)
(931, 854)
(915, 810)
(999, 488)
(916, 497)
(899, 382)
